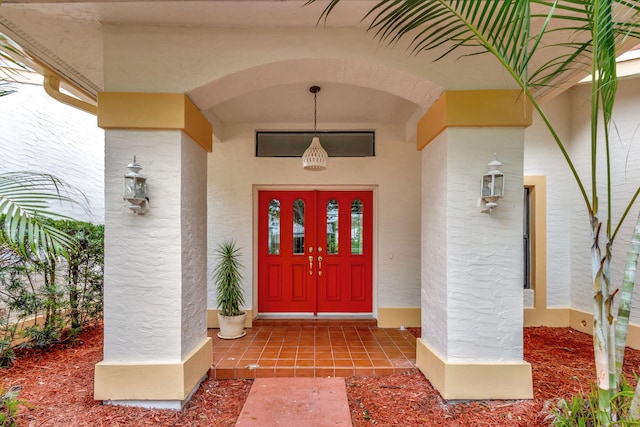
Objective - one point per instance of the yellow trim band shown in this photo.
(394, 317)
(153, 381)
(537, 186)
(478, 381)
(134, 110)
(473, 108)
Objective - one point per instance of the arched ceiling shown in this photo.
(351, 92)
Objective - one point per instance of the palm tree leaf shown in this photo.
(25, 199)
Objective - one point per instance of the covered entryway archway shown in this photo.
(245, 66)
(315, 252)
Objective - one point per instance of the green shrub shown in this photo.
(9, 404)
(581, 411)
(64, 294)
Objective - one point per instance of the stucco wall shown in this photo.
(42, 135)
(543, 157)
(472, 262)
(394, 174)
(434, 244)
(184, 58)
(625, 175)
(143, 253)
(568, 232)
(193, 224)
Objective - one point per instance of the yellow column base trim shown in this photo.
(477, 381)
(153, 381)
(394, 317)
(212, 318)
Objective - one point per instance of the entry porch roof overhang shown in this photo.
(245, 61)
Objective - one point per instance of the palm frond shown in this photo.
(25, 200)
(12, 60)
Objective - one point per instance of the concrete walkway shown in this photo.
(296, 402)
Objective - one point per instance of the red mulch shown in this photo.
(58, 385)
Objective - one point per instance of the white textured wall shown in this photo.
(483, 252)
(568, 231)
(145, 279)
(193, 222)
(434, 290)
(625, 154)
(543, 157)
(41, 134)
(394, 173)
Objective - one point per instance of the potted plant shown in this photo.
(228, 282)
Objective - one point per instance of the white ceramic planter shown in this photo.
(231, 327)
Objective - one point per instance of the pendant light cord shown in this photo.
(314, 90)
(315, 112)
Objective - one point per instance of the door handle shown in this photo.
(319, 266)
(310, 265)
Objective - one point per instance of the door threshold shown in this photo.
(306, 316)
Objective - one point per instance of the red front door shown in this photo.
(315, 251)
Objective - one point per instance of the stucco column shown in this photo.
(472, 264)
(156, 349)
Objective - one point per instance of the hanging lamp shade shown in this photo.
(315, 157)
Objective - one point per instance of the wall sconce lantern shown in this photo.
(492, 188)
(135, 189)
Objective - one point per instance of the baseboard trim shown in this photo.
(554, 317)
(476, 381)
(575, 319)
(395, 317)
(162, 385)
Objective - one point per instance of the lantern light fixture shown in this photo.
(492, 186)
(135, 189)
(315, 157)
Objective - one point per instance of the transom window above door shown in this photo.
(294, 143)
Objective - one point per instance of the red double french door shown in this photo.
(315, 251)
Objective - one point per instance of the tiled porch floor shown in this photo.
(313, 348)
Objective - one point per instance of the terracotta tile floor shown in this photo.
(313, 348)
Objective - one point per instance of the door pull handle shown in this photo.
(319, 266)
(310, 265)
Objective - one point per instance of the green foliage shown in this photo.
(64, 294)
(85, 270)
(24, 201)
(228, 279)
(7, 333)
(582, 411)
(12, 56)
(9, 405)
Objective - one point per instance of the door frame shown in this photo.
(254, 258)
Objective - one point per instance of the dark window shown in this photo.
(337, 144)
(526, 238)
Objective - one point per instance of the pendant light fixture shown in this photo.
(315, 157)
